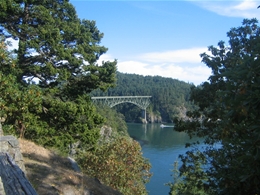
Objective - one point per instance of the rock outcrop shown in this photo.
(12, 169)
(154, 118)
(10, 145)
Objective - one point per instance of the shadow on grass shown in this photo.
(54, 175)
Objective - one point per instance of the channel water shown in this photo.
(161, 146)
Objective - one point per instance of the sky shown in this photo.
(164, 38)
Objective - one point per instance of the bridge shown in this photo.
(111, 101)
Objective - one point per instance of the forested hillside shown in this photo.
(169, 96)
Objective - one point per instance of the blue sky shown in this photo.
(164, 38)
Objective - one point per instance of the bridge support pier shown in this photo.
(144, 115)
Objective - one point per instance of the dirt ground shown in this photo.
(51, 174)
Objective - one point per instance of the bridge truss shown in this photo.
(111, 101)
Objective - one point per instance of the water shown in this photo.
(162, 147)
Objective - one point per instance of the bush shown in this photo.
(118, 164)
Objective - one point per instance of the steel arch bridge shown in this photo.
(111, 101)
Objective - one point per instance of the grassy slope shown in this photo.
(50, 173)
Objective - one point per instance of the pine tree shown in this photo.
(56, 48)
(57, 55)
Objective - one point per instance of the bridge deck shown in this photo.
(112, 97)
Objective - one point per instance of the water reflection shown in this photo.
(161, 146)
(160, 138)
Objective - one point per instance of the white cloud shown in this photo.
(184, 55)
(243, 9)
(246, 5)
(195, 74)
(184, 65)
(105, 57)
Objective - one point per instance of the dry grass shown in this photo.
(51, 174)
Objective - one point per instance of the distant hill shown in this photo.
(170, 97)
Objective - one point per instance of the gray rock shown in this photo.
(2, 190)
(9, 144)
(74, 165)
(1, 130)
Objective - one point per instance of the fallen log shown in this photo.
(13, 178)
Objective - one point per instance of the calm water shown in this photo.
(162, 147)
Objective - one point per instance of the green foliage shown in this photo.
(169, 96)
(113, 119)
(68, 122)
(45, 80)
(56, 47)
(228, 115)
(17, 103)
(33, 113)
(192, 178)
(118, 164)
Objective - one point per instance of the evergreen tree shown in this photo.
(228, 117)
(57, 56)
(55, 46)
(18, 104)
